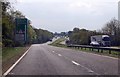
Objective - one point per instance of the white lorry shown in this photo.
(100, 40)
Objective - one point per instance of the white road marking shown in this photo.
(75, 63)
(7, 72)
(53, 51)
(11, 73)
(89, 70)
(59, 55)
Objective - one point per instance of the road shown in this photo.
(43, 59)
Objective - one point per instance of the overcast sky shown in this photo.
(64, 15)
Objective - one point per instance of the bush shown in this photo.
(1, 44)
(8, 43)
(17, 44)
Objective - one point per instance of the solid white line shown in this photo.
(75, 63)
(106, 56)
(100, 55)
(6, 73)
(59, 55)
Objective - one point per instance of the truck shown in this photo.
(100, 40)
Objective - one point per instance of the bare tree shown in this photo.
(112, 28)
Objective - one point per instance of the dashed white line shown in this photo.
(75, 63)
(89, 70)
(59, 55)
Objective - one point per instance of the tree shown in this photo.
(76, 30)
(8, 28)
(112, 28)
(7, 25)
(31, 35)
(81, 36)
(43, 35)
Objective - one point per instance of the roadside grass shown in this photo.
(58, 43)
(0, 60)
(11, 55)
(95, 51)
(0, 51)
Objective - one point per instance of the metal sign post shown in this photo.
(119, 10)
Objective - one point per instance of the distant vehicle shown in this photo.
(50, 39)
(56, 37)
(100, 40)
(94, 43)
(68, 42)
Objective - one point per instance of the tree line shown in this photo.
(82, 36)
(8, 28)
(77, 36)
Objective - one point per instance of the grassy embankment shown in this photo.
(58, 43)
(11, 55)
(95, 51)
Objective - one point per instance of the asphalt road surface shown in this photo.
(43, 59)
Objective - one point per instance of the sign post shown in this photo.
(21, 30)
(119, 10)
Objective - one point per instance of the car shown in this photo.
(94, 43)
(50, 40)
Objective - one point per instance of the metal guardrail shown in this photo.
(91, 48)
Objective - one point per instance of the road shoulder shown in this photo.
(14, 56)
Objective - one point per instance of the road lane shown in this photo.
(100, 64)
(43, 59)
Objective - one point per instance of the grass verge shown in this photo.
(57, 43)
(10, 56)
(0, 60)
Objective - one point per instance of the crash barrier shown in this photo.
(91, 48)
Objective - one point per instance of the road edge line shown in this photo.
(101, 55)
(6, 73)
